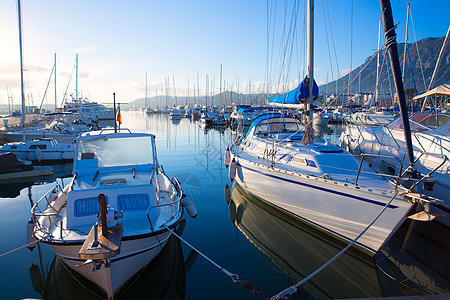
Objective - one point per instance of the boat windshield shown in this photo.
(124, 151)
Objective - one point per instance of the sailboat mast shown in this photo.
(145, 101)
(378, 63)
(310, 57)
(391, 45)
(56, 105)
(21, 70)
(76, 78)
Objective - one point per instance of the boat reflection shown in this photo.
(12, 190)
(163, 278)
(298, 250)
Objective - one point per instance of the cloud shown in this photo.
(86, 49)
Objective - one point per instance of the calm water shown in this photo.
(260, 245)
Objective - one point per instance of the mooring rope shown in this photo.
(292, 289)
(21, 247)
(234, 277)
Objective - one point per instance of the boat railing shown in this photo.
(179, 192)
(383, 175)
(50, 211)
(427, 176)
(112, 129)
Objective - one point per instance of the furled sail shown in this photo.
(298, 95)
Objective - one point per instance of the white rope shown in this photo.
(21, 247)
(292, 289)
(234, 277)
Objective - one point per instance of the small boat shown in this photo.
(14, 170)
(176, 114)
(41, 150)
(120, 170)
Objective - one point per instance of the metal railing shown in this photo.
(179, 192)
(385, 175)
(49, 211)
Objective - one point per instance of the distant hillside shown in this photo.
(227, 98)
(429, 49)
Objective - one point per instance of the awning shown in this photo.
(442, 90)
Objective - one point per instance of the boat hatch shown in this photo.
(111, 181)
(299, 160)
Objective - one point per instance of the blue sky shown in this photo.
(119, 41)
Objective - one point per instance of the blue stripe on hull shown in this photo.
(322, 188)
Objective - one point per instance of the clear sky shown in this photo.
(119, 41)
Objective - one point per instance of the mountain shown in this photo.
(429, 49)
(227, 98)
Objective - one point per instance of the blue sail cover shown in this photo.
(297, 95)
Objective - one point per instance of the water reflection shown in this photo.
(12, 190)
(298, 250)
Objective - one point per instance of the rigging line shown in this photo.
(67, 87)
(349, 90)
(37, 26)
(7, 21)
(334, 48)
(326, 34)
(292, 289)
(373, 56)
(379, 75)
(418, 53)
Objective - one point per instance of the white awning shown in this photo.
(442, 90)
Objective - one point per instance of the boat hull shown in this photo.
(341, 210)
(134, 255)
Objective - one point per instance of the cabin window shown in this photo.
(133, 202)
(38, 146)
(13, 147)
(87, 207)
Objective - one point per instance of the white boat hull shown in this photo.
(337, 208)
(135, 255)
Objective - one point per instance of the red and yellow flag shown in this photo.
(119, 117)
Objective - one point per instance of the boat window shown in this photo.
(13, 147)
(124, 151)
(133, 202)
(38, 146)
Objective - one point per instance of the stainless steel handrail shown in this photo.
(380, 156)
(179, 190)
(445, 158)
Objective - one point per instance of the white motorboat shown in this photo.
(91, 112)
(41, 150)
(176, 114)
(59, 130)
(120, 170)
(318, 183)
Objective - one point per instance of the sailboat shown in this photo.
(314, 180)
